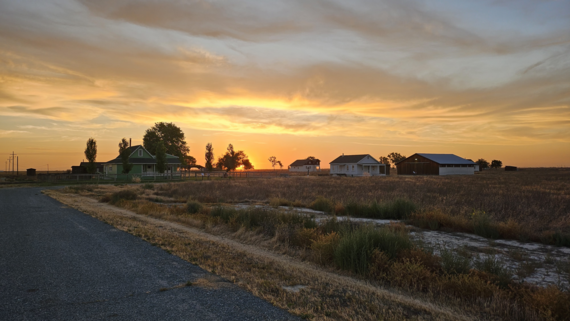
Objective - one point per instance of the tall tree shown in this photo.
(482, 163)
(171, 136)
(160, 157)
(395, 157)
(91, 155)
(496, 163)
(209, 156)
(384, 160)
(232, 160)
(125, 152)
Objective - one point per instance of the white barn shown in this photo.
(357, 165)
(305, 165)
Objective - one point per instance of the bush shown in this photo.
(502, 275)
(276, 201)
(354, 251)
(324, 247)
(267, 220)
(322, 204)
(482, 225)
(193, 207)
(398, 209)
(126, 194)
(453, 263)
(304, 237)
(148, 186)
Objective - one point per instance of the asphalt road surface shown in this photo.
(57, 263)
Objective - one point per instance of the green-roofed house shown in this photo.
(144, 163)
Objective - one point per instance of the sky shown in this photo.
(291, 79)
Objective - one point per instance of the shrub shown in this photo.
(355, 249)
(322, 204)
(304, 237)
(324, 246)
(126, 194)
(482, 225)
(193, 207)
(398, 209)
(453, 263)
(276, 201)
(148, 186)
(136, 179)
(105, 198)
(502, 275)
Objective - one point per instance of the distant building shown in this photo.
(305, 165)
(435, 164)
(357, 165)
(144, 163)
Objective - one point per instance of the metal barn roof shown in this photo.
(450, 159)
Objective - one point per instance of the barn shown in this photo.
(435, 164)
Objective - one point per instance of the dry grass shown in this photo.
(532, 204)
(264, 273)
(386, 256)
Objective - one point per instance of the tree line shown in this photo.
(167, 138)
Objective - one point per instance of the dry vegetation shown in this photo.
(532, 204)
(385, 256)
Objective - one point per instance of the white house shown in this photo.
(357, 165)
(305, 165)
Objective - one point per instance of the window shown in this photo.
(140, 153)
(353, 168)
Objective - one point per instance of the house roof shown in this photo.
(303, 162)
(96, 163)
(349, 159)
(170, 159)
(449, 159)
(134, 160)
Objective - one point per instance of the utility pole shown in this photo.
(17, 165)
(48, 168)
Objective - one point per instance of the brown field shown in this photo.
(533, 203)
(430, 286)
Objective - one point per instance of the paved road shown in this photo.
(57, 263)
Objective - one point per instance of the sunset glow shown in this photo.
(480, 79)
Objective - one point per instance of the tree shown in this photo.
(280, 164)
(170, 135)
(91, 155)
(384, 160)
(482, 163)
(395, 157)
(232, 160)
(160, 157)
(209, 157)
(247, 164)
(190, 160)
(496, 163)
(273, 160)
(125, 152)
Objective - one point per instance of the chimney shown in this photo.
(130, 142)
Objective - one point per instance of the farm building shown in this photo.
(435, 164)
(144, 163)
(357, 165)
(305, 165)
